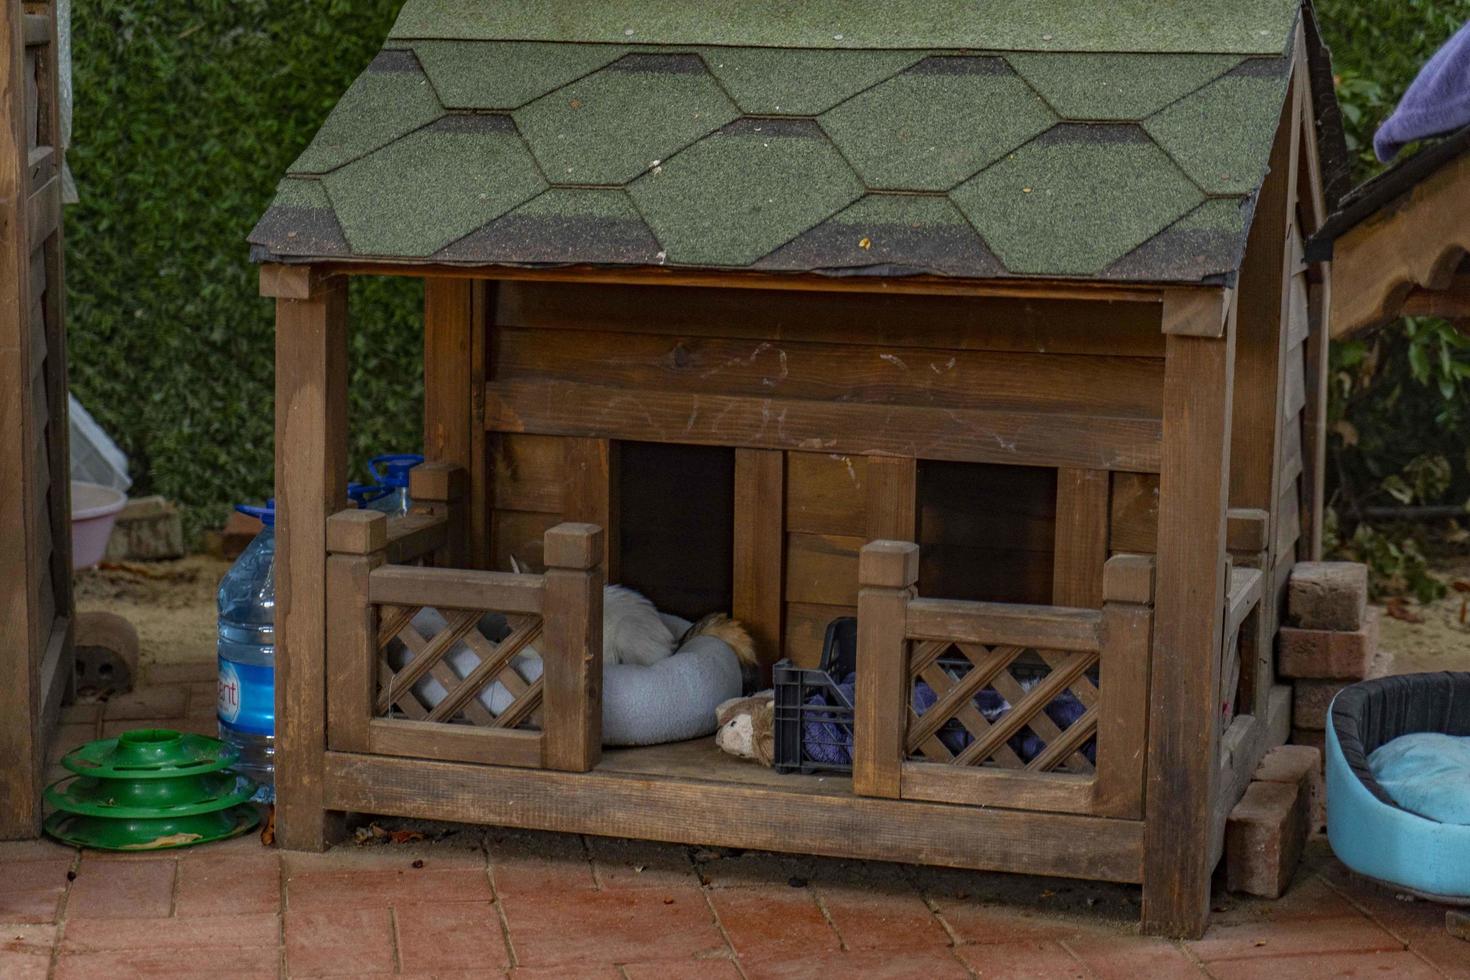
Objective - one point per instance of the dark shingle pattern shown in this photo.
(476, 139)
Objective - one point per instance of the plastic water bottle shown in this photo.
(247, 654)
(391, 472)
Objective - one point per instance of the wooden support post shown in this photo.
(572, 650)
(1314, 423)
(892, 498)
(1122, 730)
(456, 316)
(358, 540)
(311, 484)
(1183, 726)
(760, 548)
(439, 488)
(887, 571)
(591, 495)
(20, 613)
(1081, 550)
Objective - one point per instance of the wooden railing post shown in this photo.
(572, 648)
(440, 489)
(311, 485)
(1122, 728)
(356, 541)
(887, 571)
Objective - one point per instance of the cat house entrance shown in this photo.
(675, 525)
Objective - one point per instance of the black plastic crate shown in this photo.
(795, 686)
(818, 750)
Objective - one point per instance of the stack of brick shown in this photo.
(1268, 828)
(1329, 642)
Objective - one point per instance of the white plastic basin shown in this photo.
(94, 511)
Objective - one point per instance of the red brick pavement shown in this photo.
(481, 902)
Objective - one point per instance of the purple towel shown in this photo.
(1438, 102)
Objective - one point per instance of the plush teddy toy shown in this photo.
(748, 727)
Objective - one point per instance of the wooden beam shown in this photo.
(828, 821)
(887, 571)
(1189, 610)
(1037, 288)
(572, 648)
(591, 495)
(292, 281)
(1084, 501)
(21, 737)
(760, 547)
(1196, 312)
(451, 319)
(311, 485)
(966, 435)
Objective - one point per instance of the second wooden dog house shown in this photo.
(994, 329)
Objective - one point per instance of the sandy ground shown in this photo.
(171, 603)
(1442, 640)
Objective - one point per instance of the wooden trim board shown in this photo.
(831, 822)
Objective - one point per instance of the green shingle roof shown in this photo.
(974, 138)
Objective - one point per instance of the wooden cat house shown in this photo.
(990, 328)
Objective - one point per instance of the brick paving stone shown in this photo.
(122, 889)
(25, 950)
(68, 737)
(1327, 595)
(559, 925)
(1341, 655)
(1309, 897)
(756, 869)
(179, 723)
(524, 862)
(641, 864)
(82, 713)
(192, 672)
(1034, 960)
(233, 931)
(434, 937)
(1264, 837)
(41, 849)
(871, 965)
(704, 969)
(32, 889)
(771, 922)
(980, 924)
(886, 918)
(340, 942)
(457, 850)
(380, 889)
(1355, 934)
(203, 700)
(571, 971)
(168, 701)
(249, 963)
(1124, 957)
(233, 883)
(1337, 966)
(1418, 923)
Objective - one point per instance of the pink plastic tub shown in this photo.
(94, 510)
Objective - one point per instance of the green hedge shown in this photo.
(185, 116)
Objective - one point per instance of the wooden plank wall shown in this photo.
(675, 364)
(35, 552)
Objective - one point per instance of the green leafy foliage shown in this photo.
(185, 117)
(1400, 399)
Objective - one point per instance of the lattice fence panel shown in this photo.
(1004, 706)
(445, 667)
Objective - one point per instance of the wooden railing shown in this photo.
(988, 704)
(434, 662)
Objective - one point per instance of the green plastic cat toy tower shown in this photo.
(150, 789)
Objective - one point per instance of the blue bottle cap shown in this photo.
(266, 514)
(363, 494)
(392, 470)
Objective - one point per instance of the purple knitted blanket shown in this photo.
(1438, 101)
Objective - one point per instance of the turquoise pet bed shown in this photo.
(1371, 821)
